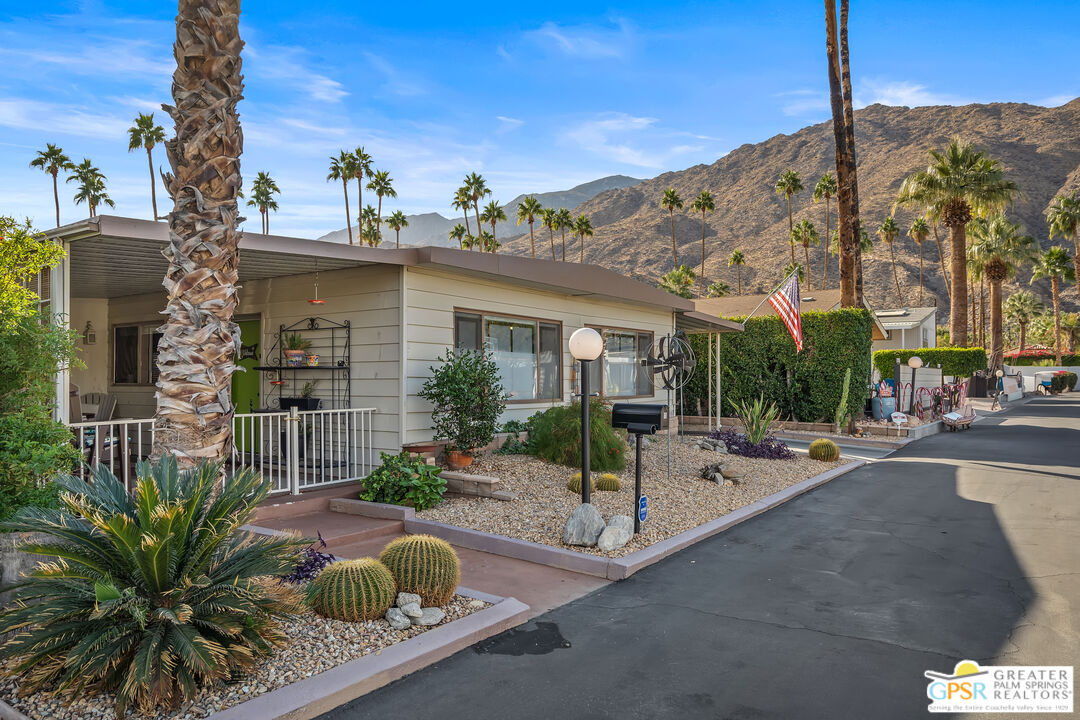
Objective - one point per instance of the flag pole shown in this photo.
(770, 294)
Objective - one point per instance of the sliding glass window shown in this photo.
(526, 351)
(619, 372)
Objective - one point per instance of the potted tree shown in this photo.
(296, 347)
(467, 399)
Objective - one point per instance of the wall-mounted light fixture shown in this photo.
(89, 334)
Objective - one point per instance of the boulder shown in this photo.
(720, 447)
(397, 619)
(622, 521)
(584, 526)
(404, 599)
(412, 610)
(731, 473)
(429, 616)
(613, 538)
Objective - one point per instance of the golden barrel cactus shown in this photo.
(608, 482)
(353, 590)
(824, 449)
(574, 484)
(424, 565)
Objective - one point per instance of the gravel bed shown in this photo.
(315, 644)
(543, 502)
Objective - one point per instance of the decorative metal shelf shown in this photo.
(332, 342)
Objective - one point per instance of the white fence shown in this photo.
(294, 450)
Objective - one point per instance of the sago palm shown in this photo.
(1063, 217)
(395, 222)
(458, 233)
(825, 189)
(493, 213)
(343, 168)
(1021, 308)
(527, 211)
(789, 184)
(672, 202)
(888, 231)
(382, 185)
(156, 593)
(919, 232)
(145, 134)
(52, 160)
(737, 259)
(1055, 265)
(583, 229)
(805, 234)
(549, 219)
(703, 203)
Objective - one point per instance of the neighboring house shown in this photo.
(908, 328)
(740, 306)
(402, 308)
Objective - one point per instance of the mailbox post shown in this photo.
(638, 419)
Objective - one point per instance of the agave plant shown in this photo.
(756, 418)
(154, 593)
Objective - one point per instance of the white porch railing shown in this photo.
(294, 450)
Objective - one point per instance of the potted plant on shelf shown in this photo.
(296, 347)
(467, 399)
(306, 401)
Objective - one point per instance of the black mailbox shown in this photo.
(639, 418)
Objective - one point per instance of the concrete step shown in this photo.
(336, 528)
(309, 501)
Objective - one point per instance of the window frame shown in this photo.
(484, 315)
(144, 371)
(603, 358)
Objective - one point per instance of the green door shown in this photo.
(245, 385)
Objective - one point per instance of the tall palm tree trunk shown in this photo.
(674, 251)
(348, 215)
(738, 273)
(468, 230)
(850, 156)
(941, 259)
(959, 296)
(896, 276)
(825, 274)
(982, 311)
(397, 238)
(360, 202)
(806, 257)
(790, 228)
(564, 244)
(56, 197)
(532, 240)
(920, 275)
(701, 278)
(1023, 337)
(581, 238)
(1076, 253)
(153, 185)
(196, 353)
(493, 238)
(996, 341)
(974, 317)
(378, 218)
(847, 257)
(551, 240)
(1055, 288)
(476, 207)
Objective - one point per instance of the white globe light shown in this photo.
(914, 362)
(586, 344)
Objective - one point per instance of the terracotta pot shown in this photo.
(458, 460)
(294, 358)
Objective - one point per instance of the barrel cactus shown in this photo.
(574, 485)
(824, 449)
(424, 565)
(353, 590)
(607, 482)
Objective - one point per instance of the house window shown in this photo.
(135, 354)
(619, 373)
(525, 350)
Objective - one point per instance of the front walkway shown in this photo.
(830, 606)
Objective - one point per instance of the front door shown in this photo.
(245, 385)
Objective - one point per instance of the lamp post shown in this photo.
(585, 346)
(914, 362)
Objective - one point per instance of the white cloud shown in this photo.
(506, 124)
(24, 114)
(114, 57)
(397, 82)
(585, 41)
(1056, 100)
(900, 92)
(802, 102)
(631, 140)
(286, 64)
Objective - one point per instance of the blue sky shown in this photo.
(536, 97)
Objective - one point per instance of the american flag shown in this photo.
(786, 303)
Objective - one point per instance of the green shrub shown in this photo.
(958, 362)
(158, 591)
(762, 361)
(607, 483)
(555, 436)
(756, 417)
(467, 398)
(404, 479)
(1070, 381)
(823, 449)
(353, 590)
(424, 565)
(1059, 383)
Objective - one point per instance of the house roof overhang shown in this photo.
(696, 322)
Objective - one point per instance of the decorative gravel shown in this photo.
(543, 503)
(315, 644)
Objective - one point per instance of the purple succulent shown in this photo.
(311, 563)
(770, 448)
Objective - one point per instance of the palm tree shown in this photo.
(196, 352)
(805, 234)
(1002, 249)
(1021, 308)
(718, 289)
(738, 260)
(145, 134)
(1063, 217)
(367, 216)
(370, 235)
(458, 233)
(361, 169)
(382, 185)
(477, 188)
(564, 221)
(487, 242)
(91, 188)
(527, 210)
(960, 182)
(461, 202)
(703, 203)
(1055, 264)
(493, 213)
(787, 185)
(396, 221)
(679, 281)
(262, 197)
(793, 267)
(549, 219)
(583, 229)
(672, 202)
(342, 168)
(825, 189)
(918, 232)
(52, 160)
(889, 231)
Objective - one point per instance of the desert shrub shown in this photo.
(353, 590)
(823, 449)
(555, 436)
(467, 397)
(955, 361)
(424, 565)
(738, 444)
(311, 563)
(404, 479)
(158, 591)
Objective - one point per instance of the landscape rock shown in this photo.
(504, 495)
(720, 447)
(397, 619)
(584, 526)
(731, 473)
(731, 483)
(622, 521)
(429, 616)
(613, 538)
(476, 604)
(404, 599)
(412, 610)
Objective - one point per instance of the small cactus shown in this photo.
(424, 565)
(824, 449)
(353, 590)
(574, 485)
(608, 482)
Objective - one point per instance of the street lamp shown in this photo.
(585, 345)
(914, 362)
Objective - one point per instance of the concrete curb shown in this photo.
(321, 693)
(382, 511)
(9, 713)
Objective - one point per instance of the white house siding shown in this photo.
(432, 296)
(366, 296)
(925, 335)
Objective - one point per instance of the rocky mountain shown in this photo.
(433, 228)
(1039, 148)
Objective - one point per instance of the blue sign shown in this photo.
(643, 508)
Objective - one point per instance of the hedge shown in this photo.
(805, 386)
(958, 362)
(1067, 360)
